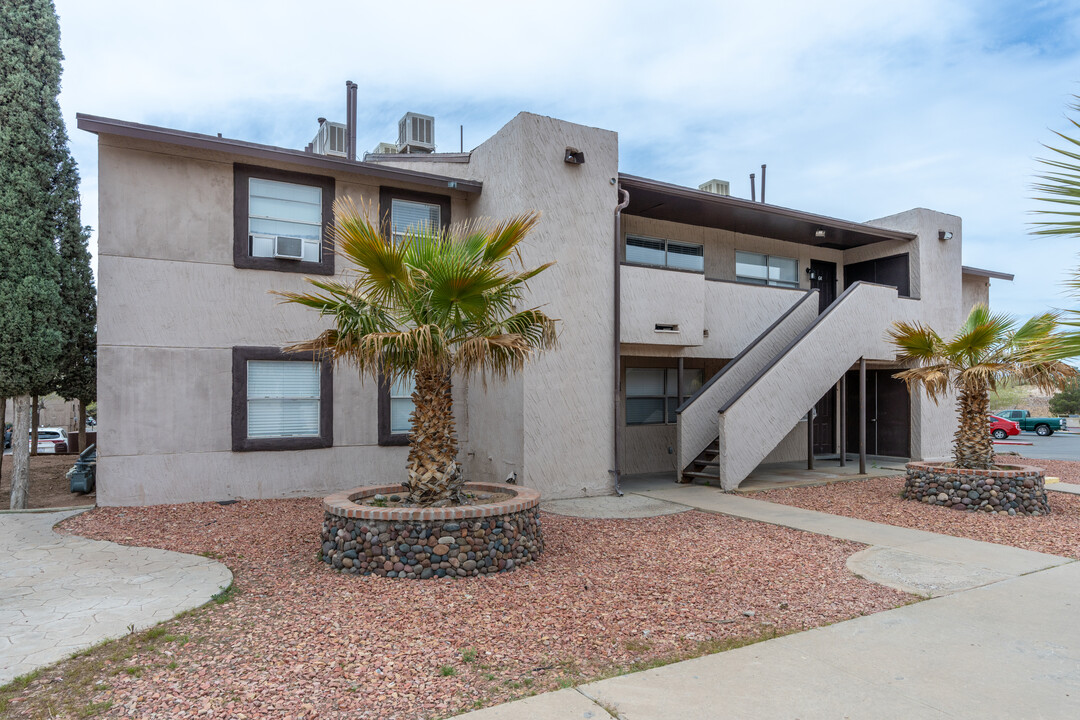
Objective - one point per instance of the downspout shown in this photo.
(617, 345)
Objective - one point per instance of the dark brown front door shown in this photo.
(888, 414)
(825, 424)
(823, 279)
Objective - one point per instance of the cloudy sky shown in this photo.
(861, 109)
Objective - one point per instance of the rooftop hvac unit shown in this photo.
(716, 187)
(385, 148)
(416, 133)
(288, 248)
(331, 140)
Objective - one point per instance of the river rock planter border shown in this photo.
(423, 543)
(1019, 490)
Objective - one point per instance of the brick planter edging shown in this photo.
(423, 543)
(1020, 490)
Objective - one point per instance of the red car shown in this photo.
(1001, 428)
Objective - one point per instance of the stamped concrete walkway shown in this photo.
(999, 639)
(60, 594)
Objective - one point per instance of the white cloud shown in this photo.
(860, 109)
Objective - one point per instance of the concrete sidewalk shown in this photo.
(1000, 639)
(60, 594)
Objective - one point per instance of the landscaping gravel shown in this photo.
(300, 640)
(878, 500)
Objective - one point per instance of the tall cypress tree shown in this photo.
(77, 378)
(31, 130)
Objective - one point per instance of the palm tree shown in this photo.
(435, 304)
(1060, 188)
(986, 350)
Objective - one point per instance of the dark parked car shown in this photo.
(83, 473)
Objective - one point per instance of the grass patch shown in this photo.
(226, 595)
(448, 671)
(468, 655)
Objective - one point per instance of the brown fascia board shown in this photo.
(967, 270)
(768, 219)
(123, 128)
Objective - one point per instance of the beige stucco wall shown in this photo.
(172, 306)
(976, 290)
(651, 297)
(538, 420)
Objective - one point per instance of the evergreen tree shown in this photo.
(77, 371)
(31, 131)
(1066, 402)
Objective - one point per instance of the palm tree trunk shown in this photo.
(973, 446)
(434, 475)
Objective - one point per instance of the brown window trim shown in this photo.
(387, 194)
(386, 438)
(240, 441)
(241, 252)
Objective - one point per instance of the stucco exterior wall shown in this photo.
(565, 395)
(172, 306)
(975, 290)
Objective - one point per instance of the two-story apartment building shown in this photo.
(698, 331)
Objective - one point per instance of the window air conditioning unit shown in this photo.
(416, 133)
(331, 139)
(288, 248)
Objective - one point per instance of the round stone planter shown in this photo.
(423, 543)
(1013, 490)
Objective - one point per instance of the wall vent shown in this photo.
(664, 327)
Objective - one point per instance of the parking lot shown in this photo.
(1059, 446)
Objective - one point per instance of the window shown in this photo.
(759, 269)
(665, 253)
(406, 215)
(281, 401)
(395, 406)
(652, 396)
(268, 204)
(404, 210)
(280, 208)
(401, 405)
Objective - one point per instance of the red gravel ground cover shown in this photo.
(878, 500)
(300, 640)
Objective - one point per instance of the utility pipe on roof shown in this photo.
(617, 344)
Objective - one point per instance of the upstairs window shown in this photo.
(281, 220)
(759, 269)
(652, 394)
(281, 209)
(665, 253)
(408, 215)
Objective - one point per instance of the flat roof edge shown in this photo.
(765, 208)
(123, 128)
(968, 270)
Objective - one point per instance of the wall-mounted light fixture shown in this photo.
(819, 233)
(574, 156)
(811, 273)
(944, 235)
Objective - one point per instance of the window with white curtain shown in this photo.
(761, 269)
(283, 398)
(652, 394)
(401, 405)
(406, 215)
(284, 208)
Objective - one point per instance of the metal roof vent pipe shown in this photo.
(753, 193)
(350, 118)
(762, 182)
